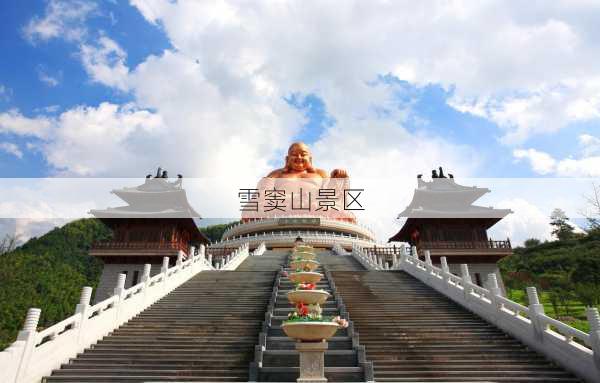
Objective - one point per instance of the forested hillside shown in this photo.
(566, 272)
(48, 273)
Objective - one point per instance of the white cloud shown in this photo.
(97, 140)
(14, 122)
(541, 162)
(46, 78)
(526, 221)
(11, 148)
(4, 93)
(62, 19)
(586, 165)
(105, 63)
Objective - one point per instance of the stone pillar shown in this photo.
(165, 265)
(202, 251)
(415, 253)
(445, 268)
(312, 362)
(428, 263)
(535, 309)
(594, 320)
(146, 273)
(466, 280)
(492, 285)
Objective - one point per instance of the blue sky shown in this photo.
(115, 88)
(32, 59)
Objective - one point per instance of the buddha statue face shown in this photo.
(298, 158)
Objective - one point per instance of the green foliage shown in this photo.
(215, 232)
(48, 273)
(567, 273)
(561, 228)
(532, 242)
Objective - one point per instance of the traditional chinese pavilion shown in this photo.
(157, 222)
(441, 218)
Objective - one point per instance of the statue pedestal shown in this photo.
(312, 362)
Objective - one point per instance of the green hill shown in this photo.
(565, 272)
(48, 273)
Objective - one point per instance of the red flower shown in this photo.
(302, 309)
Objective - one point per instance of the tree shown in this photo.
(592, 213)
(8, 243)
(532, 242)
(562, 229)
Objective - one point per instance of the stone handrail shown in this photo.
(36, 354)
(309, 237)
(260, 250)
(240, 229)
(233, 260)
(570, 348)
(337, 249)
(368, 262)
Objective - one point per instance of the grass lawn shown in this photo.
(576, 310)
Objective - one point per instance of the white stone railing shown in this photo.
(369, 262)
(573, 349)
(339, 250)
(36, 354)
(288, 237)
(260, 250)
(233, 260)
(241, 229)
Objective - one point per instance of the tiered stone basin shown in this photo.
(305, 277)
(309, 297)
(304, 264)
(303, 255)
(310, 331)
(307, 331)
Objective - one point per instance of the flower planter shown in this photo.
(305, 248)
(304, 264)
(310, 331)
(305, 277)
(308, 297)
(303, 255)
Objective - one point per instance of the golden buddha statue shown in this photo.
(298, 164)
(302, 184)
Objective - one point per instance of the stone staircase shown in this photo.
(412, 333)
(205, 330)
(276, 358)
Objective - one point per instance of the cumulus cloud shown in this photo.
(62, 19)
(526, 221)
(14, 122)
(586, 165)
(47, 79)
(11, 148)
(104, 62)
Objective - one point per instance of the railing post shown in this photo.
(466, 280)
(82, 309)
(395, 261)
(428, 263)
(445, 268)
(415, 252)
(28, 338)
(164, 270)
(594, 321)
(535, 310)
(119, 292)
(495, 292)
(179, 259)
(146, 281)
